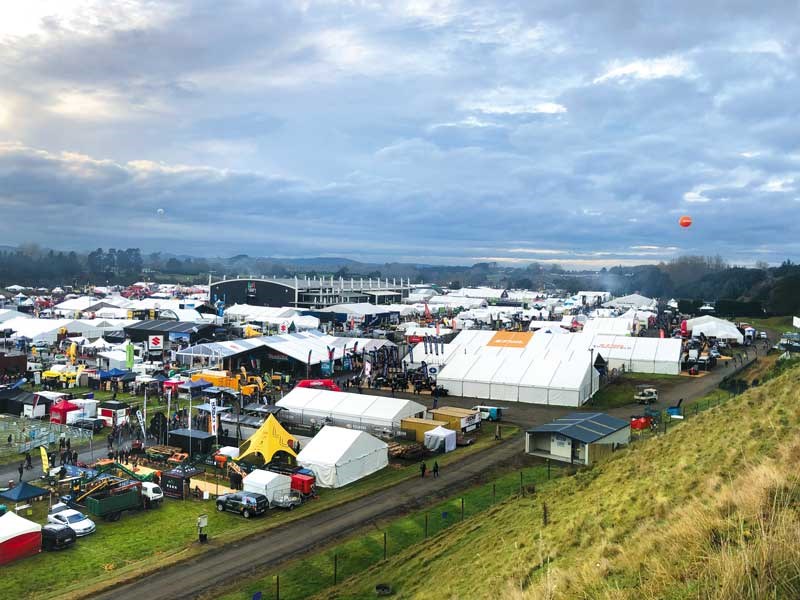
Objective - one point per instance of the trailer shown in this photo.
(135, 496)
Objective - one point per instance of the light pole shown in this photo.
(591, 371)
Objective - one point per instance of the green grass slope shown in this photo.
(709, 510)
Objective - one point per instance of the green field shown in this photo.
(306, 577)
(141, 542)
(779, 324)
(621, 392)
(709, 510)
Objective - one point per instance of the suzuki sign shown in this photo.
(156, 342)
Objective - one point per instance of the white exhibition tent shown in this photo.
(339, 456)
(549, 369)
(714, 327)
(314, 404)
(440, 438)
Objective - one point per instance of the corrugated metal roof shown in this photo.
(583, 427)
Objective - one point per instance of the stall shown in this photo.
(440, 439)
(339, 456)
(19, 538)
(60, 410)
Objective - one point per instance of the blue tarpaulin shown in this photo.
(23, 491)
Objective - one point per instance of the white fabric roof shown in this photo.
(609, 326)
(378, 411)
(12, 525)
(339, 456)
(632, 301)
(714, 327)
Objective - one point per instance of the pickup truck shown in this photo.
(246, 504)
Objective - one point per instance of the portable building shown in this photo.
(192, 441)
(458, 419)
(578, 438)
(416, 428)
(339, 456)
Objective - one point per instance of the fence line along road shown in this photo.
(212, 569)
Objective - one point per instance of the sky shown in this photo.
(426, 131)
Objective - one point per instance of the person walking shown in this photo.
(435, 469)
(10, 439)
(21, 470)
(28, 461)
(422, 468)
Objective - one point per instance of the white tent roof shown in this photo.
(714, 327)
(363, 408)
(12, 525)
(339, 456)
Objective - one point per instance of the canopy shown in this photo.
(19, 537)
(714, 327)
(23, 491)
(339, 456)
(440, 438)
(268, 440)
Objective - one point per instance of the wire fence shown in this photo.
(314, 574)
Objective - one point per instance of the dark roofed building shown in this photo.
(309, 293)
(170, 331)
(578, 438)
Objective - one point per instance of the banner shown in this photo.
(325, 367)
(45, 460)
(129, 356)
(141, 422)
(309, 357)
(796, 322)
(213, 405)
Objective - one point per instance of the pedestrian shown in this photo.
(422, 468)
(435, 469)
(10, 439)
(75, 457)
(21, 470)
(28, 461)
(110, 441)
(68, 444)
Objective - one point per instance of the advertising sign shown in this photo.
(156, 342)
(213, 405)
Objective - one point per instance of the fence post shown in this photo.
(335, 568)
(548, 469)
(544, 514)
(426, 526)
(521, 490)
(462, 508)
(494, 493)
(384, 545)
(277, 587)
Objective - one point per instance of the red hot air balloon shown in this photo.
(685, 221)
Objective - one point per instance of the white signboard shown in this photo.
(796, 322)
(213, 404)
(156, 342)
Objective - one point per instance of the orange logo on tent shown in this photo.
(511, 339)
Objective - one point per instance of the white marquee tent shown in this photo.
(340, 456)
(363, 410)
(714, 327)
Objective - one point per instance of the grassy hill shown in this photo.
(709, 510)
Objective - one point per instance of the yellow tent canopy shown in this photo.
(270, 439)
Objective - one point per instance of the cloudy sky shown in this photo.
(435, 131)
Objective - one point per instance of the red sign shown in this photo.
(156, 342)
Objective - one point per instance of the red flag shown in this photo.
(427, 311)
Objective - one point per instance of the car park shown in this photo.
(61, 514)
(246, 504)
(56, 536)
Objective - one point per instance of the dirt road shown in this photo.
(201, 575)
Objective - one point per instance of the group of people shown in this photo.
(423, 469)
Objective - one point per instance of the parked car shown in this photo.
(714, 353)
(61, 514)
(763, 335)
(289, 500)
(40, 344)
(57, 537)
(246, 504)
(94, 425)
